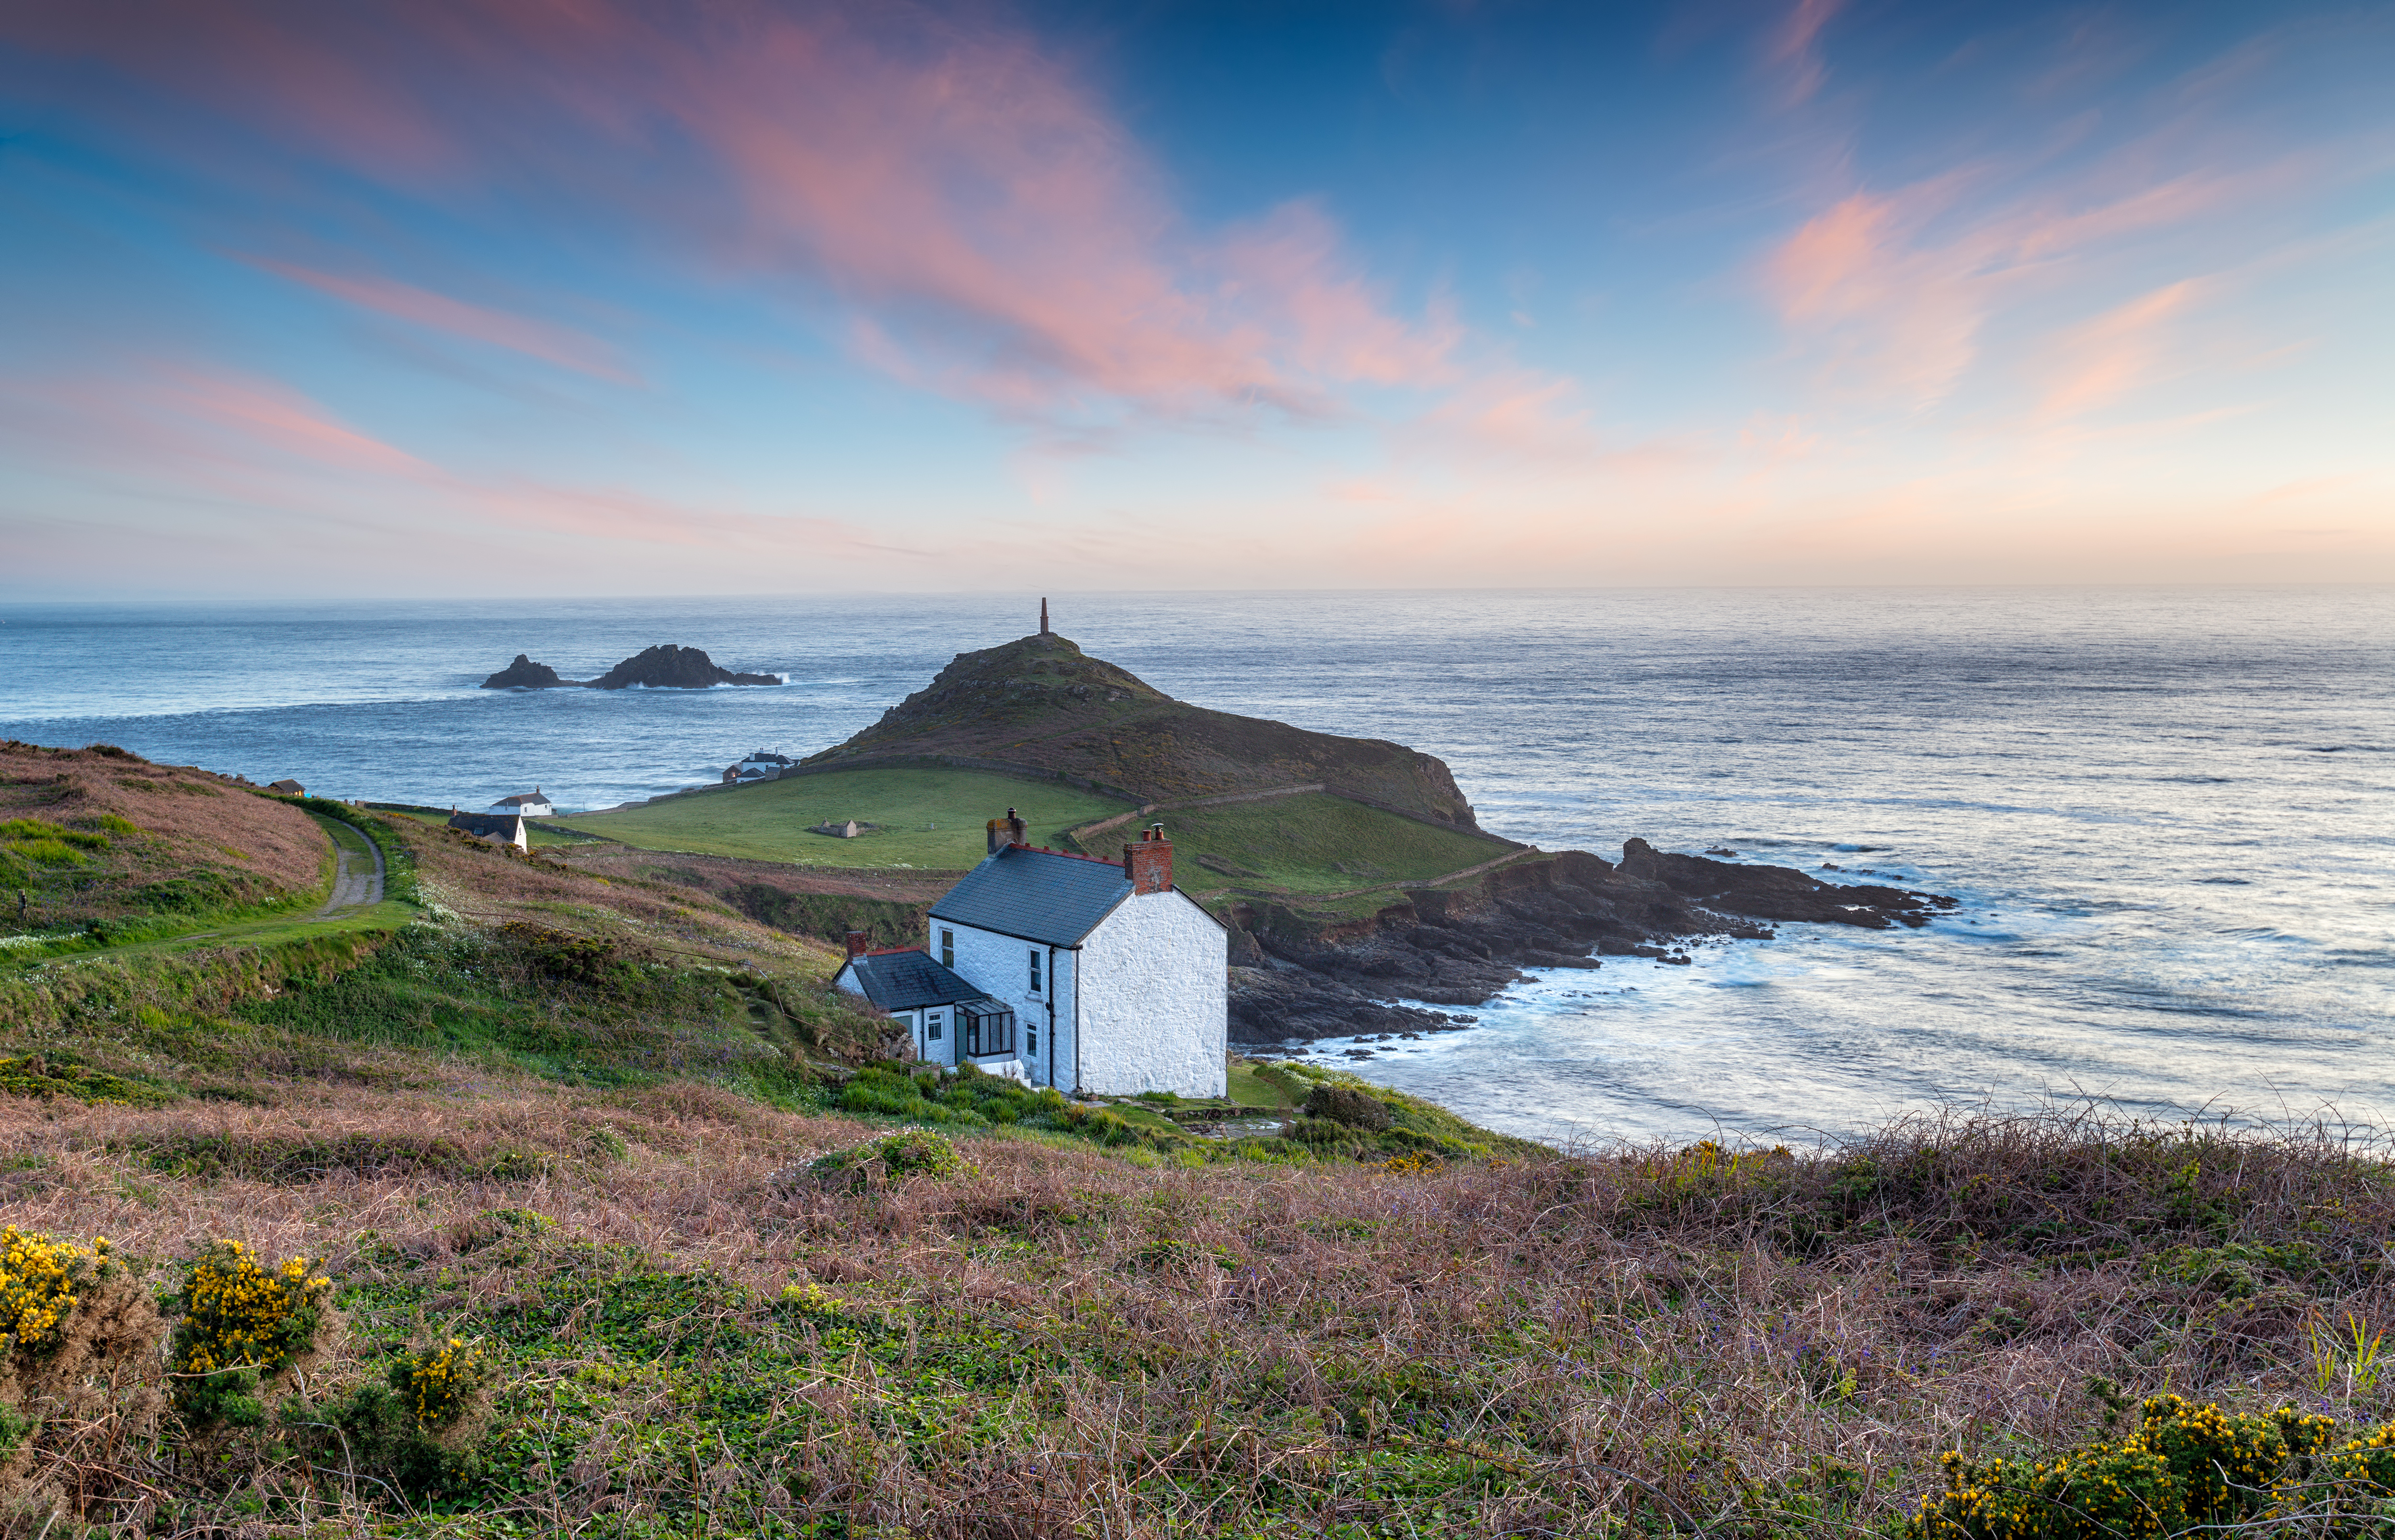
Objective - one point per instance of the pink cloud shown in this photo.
(192, 434)
(562, 346)
(1796, 52)
(2111, 356)
(978, 212)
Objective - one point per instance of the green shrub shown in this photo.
(1344, 1105)
(411, 1430)
(893, 1157)
(2235, 1272)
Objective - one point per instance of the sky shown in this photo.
(521, 298)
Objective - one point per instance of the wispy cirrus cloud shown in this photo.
(172, 431)
(550, 343)
(951, 197)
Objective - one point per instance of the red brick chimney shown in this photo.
(1010, 829)
(859, 943)
(1149, 863)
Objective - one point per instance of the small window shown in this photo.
(1031, 1041)
(1035, 970)
(932, 1025)
(947, 949)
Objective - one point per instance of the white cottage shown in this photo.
(531, 804)
(1064, 970)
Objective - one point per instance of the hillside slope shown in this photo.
(1042, 704)
(97, 835)
(606, 1149)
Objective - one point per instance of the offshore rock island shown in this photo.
(664, 667)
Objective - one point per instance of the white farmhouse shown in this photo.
(763, 765)
(1064, 970)
(531, 804)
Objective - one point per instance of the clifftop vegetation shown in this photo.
(625, 1227)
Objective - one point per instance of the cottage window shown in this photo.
(1035, 970)
(932, 1023)
(1031, 1042)
(947, 949)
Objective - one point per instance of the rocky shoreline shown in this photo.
(1295, 979)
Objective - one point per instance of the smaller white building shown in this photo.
(1066, 970)
(494, 828)
(952, 1021)
(531, 804)
(763, 765)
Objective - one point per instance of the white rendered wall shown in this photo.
(1154, 983)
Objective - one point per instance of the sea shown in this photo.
(2165, 811)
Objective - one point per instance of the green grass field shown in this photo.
(1311, 843)
(928, 818)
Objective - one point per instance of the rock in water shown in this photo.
(1779, 892)
(671, 668)
(525, 674)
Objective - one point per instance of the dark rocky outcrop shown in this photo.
(525, 674)
(1299, 977)
(671, 668)
(1042, 704)
(1777, 892)
(666, 667)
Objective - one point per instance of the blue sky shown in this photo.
(745, 297)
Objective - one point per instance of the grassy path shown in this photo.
(357, 877)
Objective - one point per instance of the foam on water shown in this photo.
(2164, 810)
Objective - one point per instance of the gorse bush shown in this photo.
(79, 1343)
(442, 1383)
(2188, 1467)
(40, 1280)
(241, 1323)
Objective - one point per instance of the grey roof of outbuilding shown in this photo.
(909, 980)
(1038, 895)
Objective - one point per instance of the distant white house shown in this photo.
(763, 765)
(531, 804)
(1064, 970)
(495, 828)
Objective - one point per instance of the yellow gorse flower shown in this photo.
(238, 1313)
(39, 1283)
(444, 1380)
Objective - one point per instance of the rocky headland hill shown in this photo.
(663, 667)
(1304, 965)
(1041, 703)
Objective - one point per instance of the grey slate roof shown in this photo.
(1038, 895)
(909, 980)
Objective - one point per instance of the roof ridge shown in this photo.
(1068, 855)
